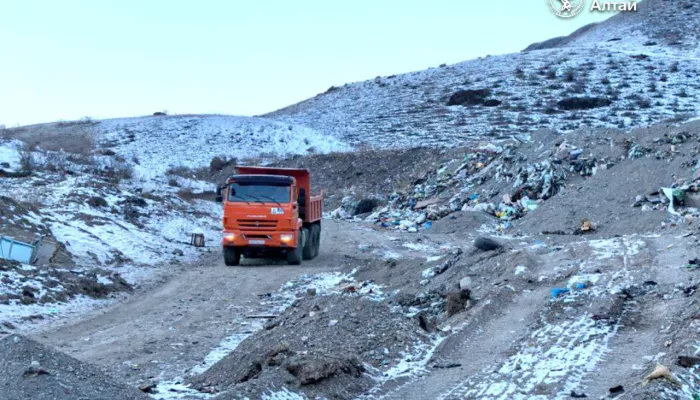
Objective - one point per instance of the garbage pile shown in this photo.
(476, 183)
(681, 199)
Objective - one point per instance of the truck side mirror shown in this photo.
(219, 198)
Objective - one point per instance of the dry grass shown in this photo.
(187, 195)
(73, 137)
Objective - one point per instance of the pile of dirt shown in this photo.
(322, 346)
(28, 284)
(368, 173)
(460, 222)
(30, 370)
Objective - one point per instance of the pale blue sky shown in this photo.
(68, 59)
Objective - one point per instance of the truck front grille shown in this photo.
(254, 224)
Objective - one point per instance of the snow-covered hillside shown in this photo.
(633, 70)
(159, 143)
(93, 213)
(657, 26)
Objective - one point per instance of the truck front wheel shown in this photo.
(294, 256)
(232, 257)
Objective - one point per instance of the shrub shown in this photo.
(219, 163)
(583, 103)
(97, 201)
(117, 172)
(644, 103)
(570, 75)
(26, 161)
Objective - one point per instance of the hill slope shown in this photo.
(658, 25)
(158, 143)
(635, 81)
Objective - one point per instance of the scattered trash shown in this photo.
(35, 369)
(558, 291)
(586, 227)
(465, 283)
(690, 290)
(693, 264)
(11, 249)
(197, 239)
(661, 372)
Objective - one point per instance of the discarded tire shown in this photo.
(486, 244)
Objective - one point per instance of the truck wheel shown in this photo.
(232, 257)
(316, 238)
(308, 244)
(294, 256)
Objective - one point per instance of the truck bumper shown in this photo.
(260, 240)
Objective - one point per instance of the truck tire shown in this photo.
(232, 257)
(308, 244)
(294, 257)
(316, 235)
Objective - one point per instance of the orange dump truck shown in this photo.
(270, 212)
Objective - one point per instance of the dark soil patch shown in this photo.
(333, 338)
(30, 370)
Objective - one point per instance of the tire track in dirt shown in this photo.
(165, 331)
(476, 343)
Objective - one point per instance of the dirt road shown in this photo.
(165, 331)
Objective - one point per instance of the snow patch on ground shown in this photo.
(559, 352)
(9, 153)
(283, 394)
(225, 347)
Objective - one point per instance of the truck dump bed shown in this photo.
(312, 204)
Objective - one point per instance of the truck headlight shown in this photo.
(229, 237)
(286, 237)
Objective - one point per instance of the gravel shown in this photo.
(323, 346)
(30, 370)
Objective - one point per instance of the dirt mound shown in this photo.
(366, 174)
(333, 339)
(461, 221)
(30, 370)
(27, 284)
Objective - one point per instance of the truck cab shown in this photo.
(269, 212)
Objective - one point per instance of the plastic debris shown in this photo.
(661, 372)
(559, 291)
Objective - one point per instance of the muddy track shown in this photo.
(164, 331)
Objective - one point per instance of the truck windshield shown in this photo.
(261, 193)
